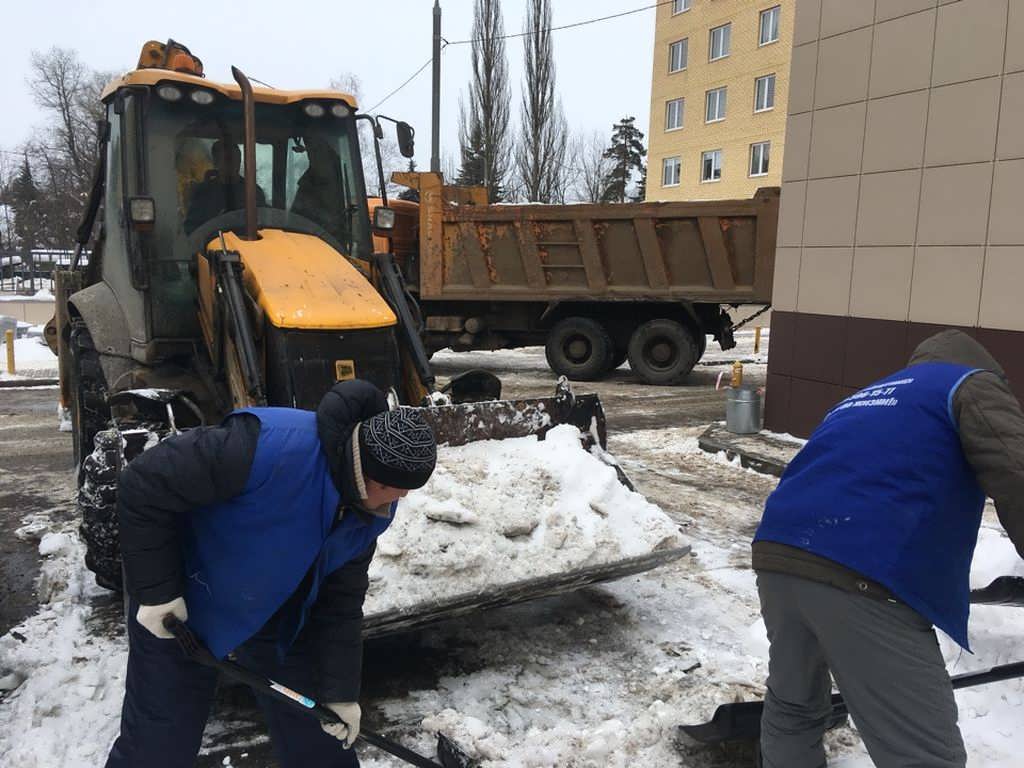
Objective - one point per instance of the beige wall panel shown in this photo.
(837, 141)
(947, 285)
(962, 122)
(954, 205)
(787, 279)
(901, 56)
(791, 213)
(969, 39)
(1011, 118)
(887, 214)
(798, 147)
(895, 133)
(808, 16)
(890, 9)
(831, 211)
(825, 281)
(839, 16)
(801, 78)
(881, 283)
(1006, 219)
(1015, 38)
(843, 64)
(1001, 305)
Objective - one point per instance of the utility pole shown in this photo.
(435, 116)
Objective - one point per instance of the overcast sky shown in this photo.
(603, 70)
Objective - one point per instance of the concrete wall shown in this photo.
(742, 126)
(902, 195)
(28, 311)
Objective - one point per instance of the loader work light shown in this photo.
(142, 212)
(201, 97)
(340, 110)
(314, 110)
(384, 218)
(169, 93)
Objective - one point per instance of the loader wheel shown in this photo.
(579, 348)
(97, 503)
(89, 410)
(663, 351)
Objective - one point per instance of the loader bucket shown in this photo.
(501, 419)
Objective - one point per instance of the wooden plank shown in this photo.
(530, 255)
(650, 251)
(589, 253)
(718, 256)
(474, 255)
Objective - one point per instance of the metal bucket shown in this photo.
(743, 411)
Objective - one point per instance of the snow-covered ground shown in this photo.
(600, 677)
(33, 359)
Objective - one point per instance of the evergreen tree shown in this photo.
(29, 219)
(641, 186)
(627, 156)
(408, 193)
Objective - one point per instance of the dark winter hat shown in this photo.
(397, 448)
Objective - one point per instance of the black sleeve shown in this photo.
(992, 436)
(198, 467)
(336, 625)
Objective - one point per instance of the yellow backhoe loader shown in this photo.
(233, 265)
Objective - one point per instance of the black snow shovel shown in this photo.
(1005, 590)
(449, 753)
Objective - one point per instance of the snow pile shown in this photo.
(501, 511)
(66, 712)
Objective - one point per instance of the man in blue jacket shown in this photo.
(259, 533)
(867, 543)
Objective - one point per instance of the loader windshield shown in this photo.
(308, 174)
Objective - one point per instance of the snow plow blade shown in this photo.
(742, 721)
(501, 419)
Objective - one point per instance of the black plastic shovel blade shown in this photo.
(450, 755)
(1006, 590)
(742, 722)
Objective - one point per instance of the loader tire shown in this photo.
(89, 410)
(663, 351)
(579, 348)
(97, 505)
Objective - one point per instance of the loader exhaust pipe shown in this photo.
(249, 152)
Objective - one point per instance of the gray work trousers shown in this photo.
(886, 662)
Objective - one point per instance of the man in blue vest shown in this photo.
(867, 543)
(259, 533)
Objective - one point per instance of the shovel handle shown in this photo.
(199, 653)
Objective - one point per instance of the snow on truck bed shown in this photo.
(497, 512)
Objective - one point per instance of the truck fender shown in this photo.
(98, 307)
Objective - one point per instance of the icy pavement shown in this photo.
(600, 677)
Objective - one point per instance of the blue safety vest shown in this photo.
(246, 556)
(883, 488)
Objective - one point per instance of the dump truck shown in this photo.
(593, 284)
(235, 267)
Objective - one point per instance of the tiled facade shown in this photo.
(742, 125)
(902, 195)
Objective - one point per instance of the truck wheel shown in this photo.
(97, 505)
(579, 348)
(89, 410)
(663, 351)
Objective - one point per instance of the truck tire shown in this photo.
(89, 410)
(663, 351)
(97, 505)
(579, 348)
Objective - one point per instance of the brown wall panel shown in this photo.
(776, 407)
(874, 348)
(820, 348)
(780, 360)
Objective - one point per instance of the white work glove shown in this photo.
(152, 616)
(347, 730)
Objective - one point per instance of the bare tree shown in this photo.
(540, 154)
(589, 168)
(484, 131)
(391, 157)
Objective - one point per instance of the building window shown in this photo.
(670, 171)
(677, 53)
(764, 93)
(678, 6)
(711, 165)
(759, 158)
(719, 46)
(673, 114)
(769, 26)
(715, 105)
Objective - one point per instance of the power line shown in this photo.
(575, 24)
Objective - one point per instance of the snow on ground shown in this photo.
(497, 512)
(33, 359)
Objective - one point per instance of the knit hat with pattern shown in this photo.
(397, 448)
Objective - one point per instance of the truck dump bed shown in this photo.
(709, 251)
